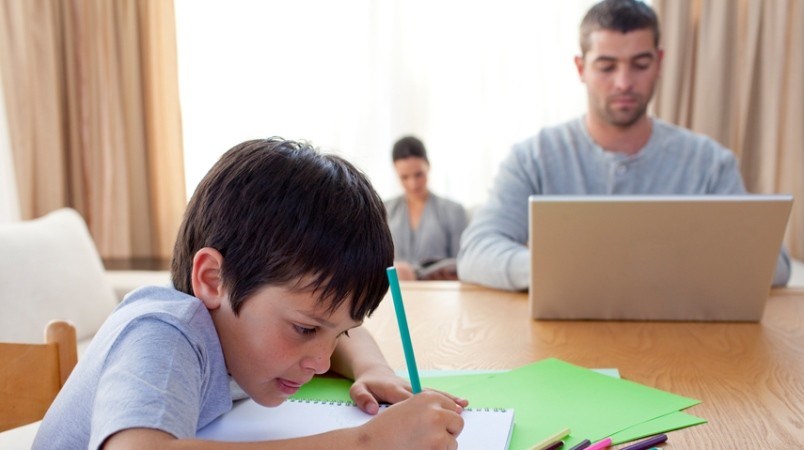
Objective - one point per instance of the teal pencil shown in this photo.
(407, 345)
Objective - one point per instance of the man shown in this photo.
(616, 148)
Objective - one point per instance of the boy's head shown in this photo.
(280, 213)
(618, 15)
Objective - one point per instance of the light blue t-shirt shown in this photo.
(155, 363)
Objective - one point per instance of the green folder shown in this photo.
(550, 395)
(669, 422)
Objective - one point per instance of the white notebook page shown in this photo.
(484, 429)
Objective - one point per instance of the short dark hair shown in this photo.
(619, 15)
(409, 147)
(280, 212)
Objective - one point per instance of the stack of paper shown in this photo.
(550, 395)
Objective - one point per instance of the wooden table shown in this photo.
(749, 376)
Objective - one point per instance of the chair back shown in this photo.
(31, 375)
(50, 267)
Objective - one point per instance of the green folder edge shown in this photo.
(486, 389)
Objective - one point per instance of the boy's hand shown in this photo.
(380, 384)
(376, 385)
(429, 420)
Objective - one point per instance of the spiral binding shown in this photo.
(351, 403)
(323, 402)
(501, 410)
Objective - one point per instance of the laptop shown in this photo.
(671, 258)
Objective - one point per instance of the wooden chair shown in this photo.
(32, 374)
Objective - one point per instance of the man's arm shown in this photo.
(729, 181)
(781, 276)
(494, 248)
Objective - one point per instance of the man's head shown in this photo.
(620, 60)
(412, 166)
(280, 213)
(618, 15)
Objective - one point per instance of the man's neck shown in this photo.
(628, 140)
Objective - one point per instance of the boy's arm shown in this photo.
(358, 357)
(428, 421)
(137, 438)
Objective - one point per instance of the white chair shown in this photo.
(50, 269)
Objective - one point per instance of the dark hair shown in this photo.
(280, 212)
(409, 147)
(618, 15)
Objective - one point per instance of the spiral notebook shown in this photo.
(484, 428)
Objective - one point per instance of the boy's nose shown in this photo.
(317, 361)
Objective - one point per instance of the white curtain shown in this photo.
(9, 202)
(468, 78)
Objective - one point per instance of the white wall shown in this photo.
(469, 78)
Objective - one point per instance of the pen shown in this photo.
(407, 345)
(551, 440)
(581, 445)
(605, 443)
(647, 443)
(557, 445)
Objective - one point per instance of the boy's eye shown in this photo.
(305, 331)
(345, 333)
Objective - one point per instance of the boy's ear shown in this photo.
(206, 277)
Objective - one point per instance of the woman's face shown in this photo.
(412, 174)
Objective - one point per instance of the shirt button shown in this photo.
(621, 169)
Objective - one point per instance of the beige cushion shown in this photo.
(125, 281)
(50, 269)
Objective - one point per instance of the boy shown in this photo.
(279, 258)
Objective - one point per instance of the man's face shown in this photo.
(620, 72)
(280, 339)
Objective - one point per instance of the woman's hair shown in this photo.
(409, 147)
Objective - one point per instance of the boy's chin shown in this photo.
(270, 400)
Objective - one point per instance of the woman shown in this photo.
(426, 228)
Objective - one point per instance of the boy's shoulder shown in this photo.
(157, 340)
(154, 307)
(159, 299)
(164, 304)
